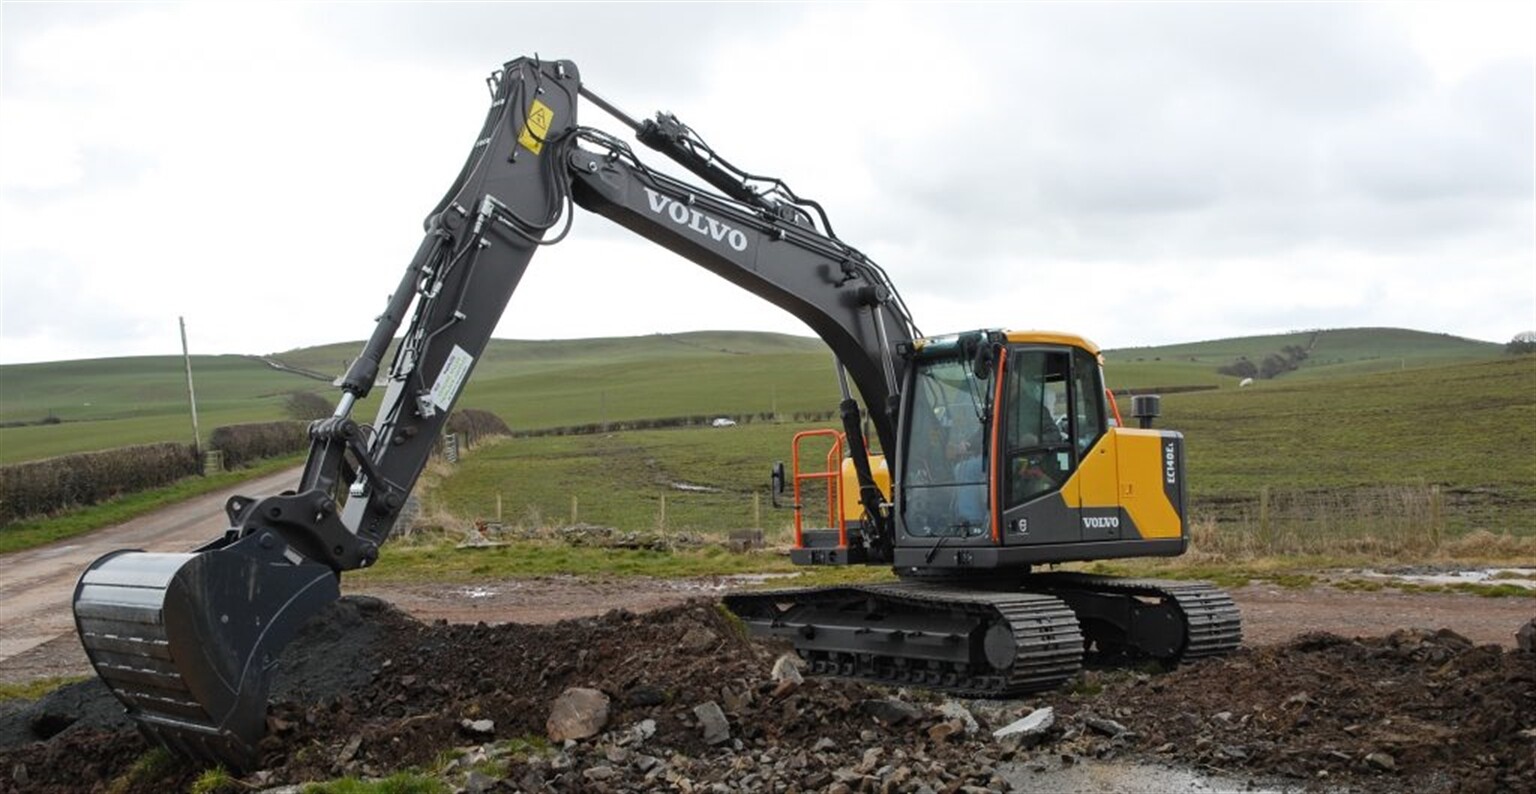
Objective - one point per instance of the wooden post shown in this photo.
(757, 510)
(1264, 537)
(498, 508)
(573, 509)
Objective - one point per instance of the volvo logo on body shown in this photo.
(1101, 522)
(690, 218)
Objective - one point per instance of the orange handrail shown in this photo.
(1114, 406)
(832, 474)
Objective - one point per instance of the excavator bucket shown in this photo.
(189, 642)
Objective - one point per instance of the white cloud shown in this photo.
(1142, 174)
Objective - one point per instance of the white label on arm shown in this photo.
(451, 379)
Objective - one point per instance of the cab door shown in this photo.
(1097, 479)
(1039, 499)
(1058, 467)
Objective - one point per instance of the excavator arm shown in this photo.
(189, 642)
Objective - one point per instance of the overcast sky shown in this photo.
(1139, 173)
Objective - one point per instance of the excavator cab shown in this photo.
(1012, 454)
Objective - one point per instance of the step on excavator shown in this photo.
(965, 462)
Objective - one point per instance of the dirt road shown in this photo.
(1270, 613)
(38, 583)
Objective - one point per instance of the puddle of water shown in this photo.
(1519, 577)
(723, 583)
(758, 578)
(1126, 777)
(691, 488)
(477, 592)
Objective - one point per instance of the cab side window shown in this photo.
(1036, 451)
(1089, 396)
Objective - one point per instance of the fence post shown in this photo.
(1264, 539)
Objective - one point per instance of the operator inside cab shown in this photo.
(1052, 414)
(947, 470)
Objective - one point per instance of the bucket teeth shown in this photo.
(188, 642)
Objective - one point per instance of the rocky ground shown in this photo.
(678, 699)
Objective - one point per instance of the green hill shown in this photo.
(524, 357)
(533, 384)
(538, 384)
(102, 403)
(113, 402)
(1330, 353)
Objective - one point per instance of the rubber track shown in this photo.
(1045, 631)
(1213, 625)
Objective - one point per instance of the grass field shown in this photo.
(1468, 428)
(105, 403)
(116, 402)
(536, 384)
(1384, 442)
(1421, 456)
(619, 479)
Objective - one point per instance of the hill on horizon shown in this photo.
(103, 403)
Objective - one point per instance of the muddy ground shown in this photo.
(368, 690)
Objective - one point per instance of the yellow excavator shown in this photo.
(999, 452)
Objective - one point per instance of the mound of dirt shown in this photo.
(1426, 709)
(367, 691)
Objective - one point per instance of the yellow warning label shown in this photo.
(536, 127)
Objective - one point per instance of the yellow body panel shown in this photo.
(1096, 483)
(848, 492)
(1142, 480)
(1126, 470)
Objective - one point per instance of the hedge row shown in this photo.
(473, 425)
(44, 486)
(247, 443)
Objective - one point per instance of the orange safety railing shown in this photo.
(832, 474)
(1114, 406)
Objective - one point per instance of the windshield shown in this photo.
(945, 466)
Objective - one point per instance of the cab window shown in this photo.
(1088, 395)
(1038, 454)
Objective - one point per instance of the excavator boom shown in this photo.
(189, 642)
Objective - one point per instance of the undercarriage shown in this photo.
(991, 641)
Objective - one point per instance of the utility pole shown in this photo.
(197, 446)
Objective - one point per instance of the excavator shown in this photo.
(968, 463)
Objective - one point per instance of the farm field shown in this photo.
(538, 384)
(1350, 455)
(105, 403)
(1440, 436)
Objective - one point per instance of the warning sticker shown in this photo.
(451, 379)
(536, 127)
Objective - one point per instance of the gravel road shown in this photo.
(38, 583)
